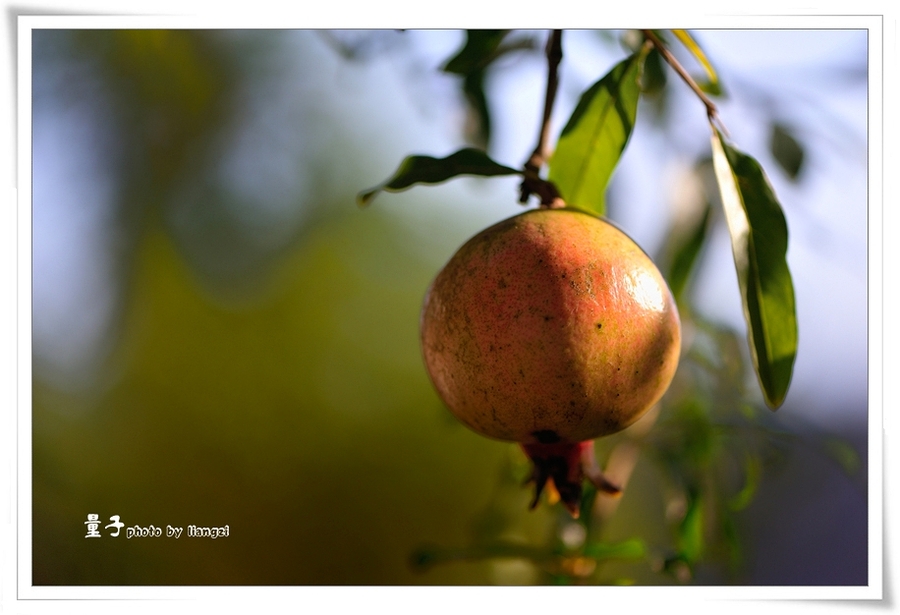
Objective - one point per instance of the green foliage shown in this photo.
(595, 136)
(711, 445)
(472, 62)
(786, 150)
(711, 84)
(844, 454)
(427, 170)
(690, 531)
(480, 49)
(753, 475)
(706, 455)
(653, 79)
(759, 243)
(632, 549)
(686, 253)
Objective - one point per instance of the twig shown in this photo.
(554, 56)
(533, 184)
(711, 111)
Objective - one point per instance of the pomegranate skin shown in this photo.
(550, 326)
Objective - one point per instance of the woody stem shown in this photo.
(532, 183)
(711, 111)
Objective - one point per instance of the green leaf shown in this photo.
(786, 150)
(685, 255)
(479, 131)
(690, 537)
(478, 51)
(759, 239)
(844, 454)
(753, 474)
(595, 136)
(428, 170)
(713, 89)
(471, 62)
(711, 85)
(653, 79)
(631, 549)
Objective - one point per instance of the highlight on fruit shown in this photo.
(551, 328)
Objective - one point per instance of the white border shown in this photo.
(23, 393)
(606, 597)
(876, 340)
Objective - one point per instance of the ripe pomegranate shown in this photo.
(550, 329)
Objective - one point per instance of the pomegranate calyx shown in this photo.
(565, 465)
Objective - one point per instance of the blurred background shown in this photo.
(221, 336)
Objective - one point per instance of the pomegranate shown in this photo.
(550, 329)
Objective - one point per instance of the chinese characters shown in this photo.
(93, 524)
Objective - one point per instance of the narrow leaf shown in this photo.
(752, 473)
(685, 255)
(709, 87)
(653, 79)
(595, 136)
(844, 454)
(478, 132)
(691, 539)
(471, 62)
(759, 239)
(786, 150)
(477, 52)
(428, 170)
(712, 85)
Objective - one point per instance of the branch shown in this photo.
(554, 56)
(711, 111)
(533, 184)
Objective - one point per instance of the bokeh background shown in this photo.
(221, 336)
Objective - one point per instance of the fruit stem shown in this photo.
(533, 184)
